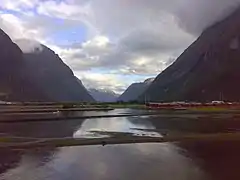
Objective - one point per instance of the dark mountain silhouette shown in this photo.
(207, 70)
(52, 76)
(103, 95)
(15, 84)
(135, 90)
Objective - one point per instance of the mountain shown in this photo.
(207, 70)
(103, 95)
(135, 90)
(15, 84)
(39, 75)
(51, 75)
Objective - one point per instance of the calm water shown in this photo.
(167, 161)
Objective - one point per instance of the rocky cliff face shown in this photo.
(208, 70)
(135, 90)
(52, 76)
(15, 84)
(103, 95)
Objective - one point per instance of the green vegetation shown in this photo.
(67, 105)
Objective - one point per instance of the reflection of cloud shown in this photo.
(118, 124)
(144, 161)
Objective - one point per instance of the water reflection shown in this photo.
(114, 112)
(154, 161)
(89, 127)
(193, 161)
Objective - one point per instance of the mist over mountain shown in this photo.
(15, 84)
(51, 75)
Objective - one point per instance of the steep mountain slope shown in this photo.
(103, 95)
(86, 92)
(135, 90)
(51, 75)
(208, 70)
(14, 83)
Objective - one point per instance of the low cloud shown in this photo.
(28, 46)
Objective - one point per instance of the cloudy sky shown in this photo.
(112, 43)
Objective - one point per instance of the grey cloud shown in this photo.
(156, 30)
(145, 36)
(196, 15)
(193, 15)
(141, 30)
(120, 58)
(170, 61)
(136, 45)
(118, 17)
(149, 41)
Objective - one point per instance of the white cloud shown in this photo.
(98, 41)
(62, 10)
(97, 46)
(69, 11)
(16, 27)
(28, 46)
(18, 5)
(119, 17)
(102, 81)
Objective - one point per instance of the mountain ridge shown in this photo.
(203, 72)
(52, 76)
(135, 90)
(103, 95)
(14, 81)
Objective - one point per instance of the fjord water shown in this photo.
(167, 161)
